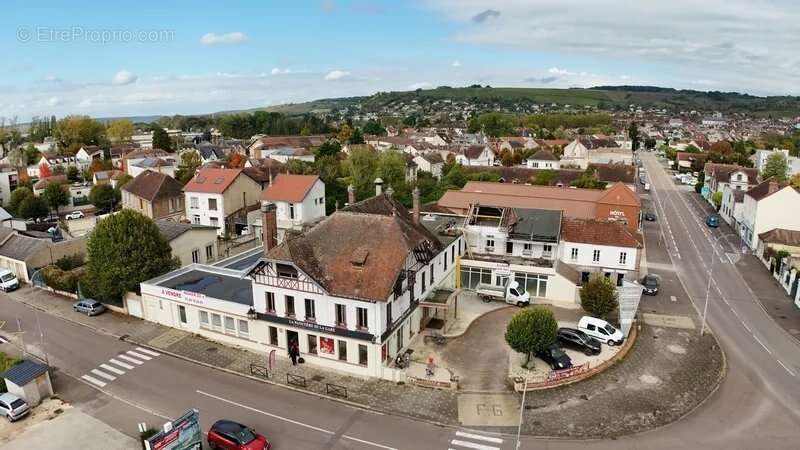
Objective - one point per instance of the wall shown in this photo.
(136, 203)
(53, 251)
(202, 215)
(195, 239)
(308, 211)
(770, 213)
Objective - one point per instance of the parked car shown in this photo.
(600, 330)
(650, 284)
(647, 187)
(555, 357)
(229, 435)
(578, 340)
(649, 216)
(8, 281)
(12, 407)
(712, 221)
(74, 215)
(89, 307)
(512, 293)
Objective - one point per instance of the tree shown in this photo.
(17, 197)
(32, 207)
(44, 171)
(190, 161)
(633, 135)
(72, 132)
(123, 180)
(649, 143)
(344, 133)
(124, 250)
(361, 167)
(391, 168)
(776, 167)
(795, 181)
(328, 148)
(120, 131)
(716, 198)
(493, 124)
(73, 173)
(374, 127)
(55, 196)
(104, 196)
(531, 330)
(599, 296)
(543, 177)
(588, 180)
(235, 160)
(357, 137)
(161, 139)
(32, 154)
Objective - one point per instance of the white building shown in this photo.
(9, 179)
(543, 159)
(221, 198)
(299, 199)
(766, 207)
(732, 206)
(167, 166)
(476, 155)
(760, 158)
(430, 162)
(718, 176)
(86, 154)
(575, 155)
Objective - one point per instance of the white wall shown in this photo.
(609, 256)
(202, 214)
(311, 209)
(769, 213)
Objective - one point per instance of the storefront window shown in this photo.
(536, 285)
(216, 322)
(362, 354)
(342, 350)
(312, 344)
(471, 276)
(230, 325)
(244, 328)
(203, 319)
(273, 336)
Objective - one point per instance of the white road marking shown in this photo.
(294, 422)
(479, 437)
(3, 340)
(128, 358)
(467, 444)
(121, 364)
(93, 380)
(762, 344)
(746, 327)
(102, 374)
(787, 369)
(138, 355)
(112, 369)
(146, 351)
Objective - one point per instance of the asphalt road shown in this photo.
(756, 407)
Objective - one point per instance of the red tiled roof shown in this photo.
(289, 188)
(599, 232)
(212, 181)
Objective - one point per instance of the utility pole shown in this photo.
(41, 338)
(521, 409)
(21, 337)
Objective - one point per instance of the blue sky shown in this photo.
(187, 57)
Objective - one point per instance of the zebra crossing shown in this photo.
(119, 365)
(476, 441)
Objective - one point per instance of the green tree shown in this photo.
(649, 143)
(360, 168)
(716, 198)
(776, 167)
(391, 168)
(124, 250)
(55, 196)
(189, 163)
(345, 131)
(17, 196)
(543, 177)
(104, 196)
(633, 135)
(531, 330)
(32, 207)
(120, 131)
(73, 173)
(72, 132)
(599, 296)
(588, 180)
(123, 180)
(357, 137)
(493, 124)
(328, 148)
(374, 127)
(161, 139)
(32, 155)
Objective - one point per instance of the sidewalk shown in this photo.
(777, 304)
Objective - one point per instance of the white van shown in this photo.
(8, 281)
(601, 330)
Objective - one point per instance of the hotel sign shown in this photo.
(189, 297)
(312, 326)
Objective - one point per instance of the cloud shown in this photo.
(334, 75)
(542, 80)
(420, 85)
(557, 71)
(279, 71)
(53, 101)
(124, 77)
(481, 17)
(227, 38)
(85, 103)
(456, 63)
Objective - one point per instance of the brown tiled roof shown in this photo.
(544, 155)
(614, 172)
(289, 188)
(781, 236)
(433, 157)
(153, 186)
(723, 172)
(359, 251)
(599, 232)
(293, 141)
(55, 179)
(212, 181)
(766, 188)
(146, 153)
(474, 151)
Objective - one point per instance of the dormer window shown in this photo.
(286, 271)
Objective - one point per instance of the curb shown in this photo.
(453, 336)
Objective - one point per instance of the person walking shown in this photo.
(294, 352)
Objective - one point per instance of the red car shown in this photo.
(229, 435)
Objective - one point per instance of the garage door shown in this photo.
(134, 305)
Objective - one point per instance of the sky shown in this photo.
(109, 59)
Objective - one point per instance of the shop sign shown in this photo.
(316, 327)
(183, 433)
(193, 298)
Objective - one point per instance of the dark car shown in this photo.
(555, 357)
(578, 340)
(650, 284)
(712, 221)
(650, 217)
(229, 435)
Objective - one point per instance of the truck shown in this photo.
(511, 293)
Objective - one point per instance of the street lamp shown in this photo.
(251, 314)
(710, 275)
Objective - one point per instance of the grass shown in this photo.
(6, 362)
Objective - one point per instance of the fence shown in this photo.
(296, 380)
(259, 371)
(335, 389)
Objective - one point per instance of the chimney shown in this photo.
(378, 187)
(351, 194)
(415, 197)
(269, 226)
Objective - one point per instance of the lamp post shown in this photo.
(708, 286)
(521, 409)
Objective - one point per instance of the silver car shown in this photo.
(89, 307)
(13, 407)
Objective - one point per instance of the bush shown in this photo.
(531, 330)
(62, 280)
(599, 296)
(147, 434)
(69, 262)
(698, 187)
(6, 362)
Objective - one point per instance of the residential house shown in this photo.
(575, 155)
(411, 168)
(760, 158)
(732, 206)
(260, 145)
(601, 246)
(86, 154)
(134, 157)
(299, 199)
(23, 254)
(516, 144)
(107, 177)
(160, 165)
(765, 208)
(476, 155)
(190, 243)
(783, 268)
(9, 180)
(119, 151)
(542, 159)
(283, 155)
(156, 195)
(689, 162)
(221, 198)
(718, 176)
(430, 162)
(52, 161)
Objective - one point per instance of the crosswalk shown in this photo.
(476, 441)
(119, 365)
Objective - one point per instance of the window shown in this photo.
(424, 284)
(445, 260)
(291, 211)
(204, 319)
(311, 312)
(574, 254)
(289, 306)
(196, 219)
(209, 252)
(548, 250)
(490, 242)
(230, 325)
(527, 248)
(212, 204)
(341, 316)
(623, 257)
(342, 350)
(244, 328)
(361, 318)
(270, 297)
(453, 254)
(509, 247)
(216, 322)
(286, 271)
(195, 256)
(214, 221)
(362, 354)
(194, 202)
(431, 273)
(620, 277)
(141, 204)
(273, 336)
(471, 276)
(596, 256)
(182, 314)
(312, 344)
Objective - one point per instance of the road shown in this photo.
(756, 407)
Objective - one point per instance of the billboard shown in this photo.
(183, 433)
